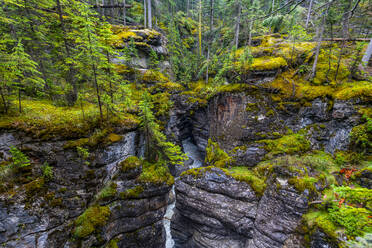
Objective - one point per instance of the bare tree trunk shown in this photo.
(149, 14)
(345, 34)
(124, 14)
(19, 101)
(210, 38)
(237, 25)
(250, 33)
(200, 27)
(188, 7)
(367, 55)
(145, 12)
(309, 13)
(103, 9)
(5, 103)
(330, 54)
(320, 37)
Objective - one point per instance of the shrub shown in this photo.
(19, 159)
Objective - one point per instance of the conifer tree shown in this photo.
(157, 148)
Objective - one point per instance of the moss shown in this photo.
(56, 202)
(152, 76)
(247, 175)
(132, 193)
(112, 244)
(90, 220)
(215, 156)
(303, 183)
(322, 220)
(130, 163)
(355, 220)
(108, 191)
(197, 172)
(288, 144)
(99, 137)
(156, 173)
(251, 107)
(361, 136)
(45, 121)
(114, 138)
(34, 187)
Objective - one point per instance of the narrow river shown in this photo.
(192, 152)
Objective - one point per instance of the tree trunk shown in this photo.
(367, 55)
(145, 13)
(320, 37)
(209, 38)
(19, 101)
(149, 14)
(237, 25)
(330, 54)
(124, 14)
(250, 33)
(309, 13)
(200, 27)
(5, 103)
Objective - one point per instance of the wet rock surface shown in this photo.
(45, 217)
(215, 210)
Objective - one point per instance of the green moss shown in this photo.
(108, 191)
(132, 193)
(289, 144)
(112, 137)
(197, 172)
(152, 76)
(156, 173)
(112, 244)
(90, 220)
(249, 176)
(356, 221)
(34, 187)
(302, 183)
(361, 136)
(130, 163)
(322, 220)
(251, 107)
(215, 156)
(99, 137)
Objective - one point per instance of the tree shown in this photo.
(23, 73)
(156, 146)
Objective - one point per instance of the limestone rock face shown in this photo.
(42, 213)
(215, 210)
(240, 121)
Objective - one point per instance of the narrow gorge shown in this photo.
(247, 130)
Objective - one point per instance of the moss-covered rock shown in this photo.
(93, 218)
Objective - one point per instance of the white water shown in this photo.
(192, 152)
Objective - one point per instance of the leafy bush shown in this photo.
(19, 159)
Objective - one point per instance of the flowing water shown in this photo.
(192, 152)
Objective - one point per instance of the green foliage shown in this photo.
(356, 195)
(47, 171)
(157, 148)
(361, 136)
(215, 156)
(132, 193)
(108, 191)
(93, 218)
(83, 154)
(156, 173)
(354, 220)
(249, 176)
(289, 144)
(130, 163)
(19, 159)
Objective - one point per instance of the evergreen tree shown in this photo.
(157, 147)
